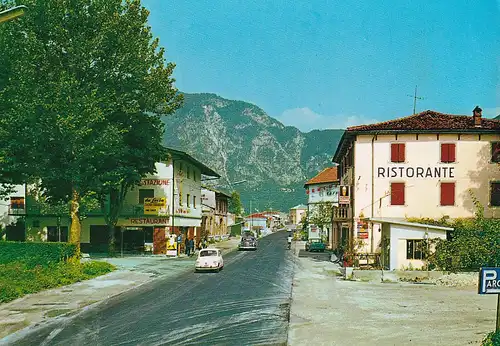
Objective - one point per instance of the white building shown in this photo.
(424, 165)
(297, 213)
(146, 221)
(215, 220)
(323, 189)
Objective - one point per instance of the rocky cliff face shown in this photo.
(241, 142)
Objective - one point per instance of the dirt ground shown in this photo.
(326, 310)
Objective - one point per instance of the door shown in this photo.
(159, 241)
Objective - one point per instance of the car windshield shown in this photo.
(207, 253)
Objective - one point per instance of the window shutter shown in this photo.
(495, 194)
(447, 193)
(394, 152)
(397, 193)
(451, 152)
(444, 152)
(401, 153)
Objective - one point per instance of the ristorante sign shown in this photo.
(416, 172)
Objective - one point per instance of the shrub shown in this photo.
(35, 253)
(492, 339)
(18, 279)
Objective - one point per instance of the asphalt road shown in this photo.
(247, 303)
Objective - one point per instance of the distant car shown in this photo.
(209, 259)
(315, 245)
(248, 243)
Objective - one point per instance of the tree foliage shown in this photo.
(235, 206)
(322, 214)
(81, 96)
(474, 243)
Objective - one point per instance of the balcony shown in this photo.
(39, 210)
(348, 178)
(342, 213)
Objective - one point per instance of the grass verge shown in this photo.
(17, 279)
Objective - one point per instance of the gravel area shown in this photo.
(327, 310)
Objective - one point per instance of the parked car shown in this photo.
(248, 243)
(315, 245)
(209, 259)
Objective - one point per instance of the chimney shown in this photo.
(476, 115)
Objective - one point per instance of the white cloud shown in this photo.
(491, 112)
(306, 120)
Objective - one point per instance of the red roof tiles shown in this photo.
(428, 121)
(328, 175)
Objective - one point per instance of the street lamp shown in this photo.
(12, 13)
(426, 238)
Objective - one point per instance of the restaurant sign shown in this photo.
(154, 205)
(415, 172)
(149, 221)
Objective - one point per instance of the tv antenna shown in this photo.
(415, 98)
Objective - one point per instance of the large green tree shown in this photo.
(235, 205)
(81, 97)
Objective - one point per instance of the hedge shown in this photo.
(35, 253)
(492, 339)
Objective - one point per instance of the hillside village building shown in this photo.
(323, 189)
(215, 220)
(297, 213)
(145, 223)
(424, 166)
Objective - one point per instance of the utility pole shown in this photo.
(415, 98)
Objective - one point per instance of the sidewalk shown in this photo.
(326, 310)
(131, 272)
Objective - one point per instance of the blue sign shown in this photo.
(489, 281)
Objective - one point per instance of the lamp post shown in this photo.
(12, 13)
(426, 238)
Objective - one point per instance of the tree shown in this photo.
(321, 214)
(82, 80)
(235, 206)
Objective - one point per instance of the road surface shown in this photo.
(247, 303)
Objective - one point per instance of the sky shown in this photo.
(330, 64)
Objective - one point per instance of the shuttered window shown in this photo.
(397, 152)
(447, 193)
(397, 193)
(495, 194)
(448, 152)
(495, 152)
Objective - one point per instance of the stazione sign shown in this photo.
(415, 172)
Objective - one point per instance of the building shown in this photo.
(424, 165)
(297, 213)
(323, 189)
(214, 223)
(145, 223)
(257, 223)
(11, 225)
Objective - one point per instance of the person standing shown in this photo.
(191, 246)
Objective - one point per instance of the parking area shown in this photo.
(327, 310)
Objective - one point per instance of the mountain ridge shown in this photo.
(241, 141)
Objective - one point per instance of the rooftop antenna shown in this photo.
(415, 97)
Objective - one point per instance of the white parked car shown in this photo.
(209, 259)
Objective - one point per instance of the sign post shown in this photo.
(489, 283)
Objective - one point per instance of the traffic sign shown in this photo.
(489, 281)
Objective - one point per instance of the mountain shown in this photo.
(241, 142)
(497, 117)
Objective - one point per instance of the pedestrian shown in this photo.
(191, 246)
(186, 245)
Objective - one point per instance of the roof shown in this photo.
(327, 175)
(300, 206)
(181, 155)
(406, 223)
(216, 191)
(425, 122)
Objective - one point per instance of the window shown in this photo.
(448, 152)
(17, 202)
(397, 193)
(495, 152)
(414, 249)
(447, 193)
(145, 193)
(188, 173)
(194, 202)
(187, 199)
(194, 174)
(397, 152)
(53, 234)
(495, 194)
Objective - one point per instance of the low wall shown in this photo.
(418, 276)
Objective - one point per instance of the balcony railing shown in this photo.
(38, 210)
(342, 213)
(347, 178)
